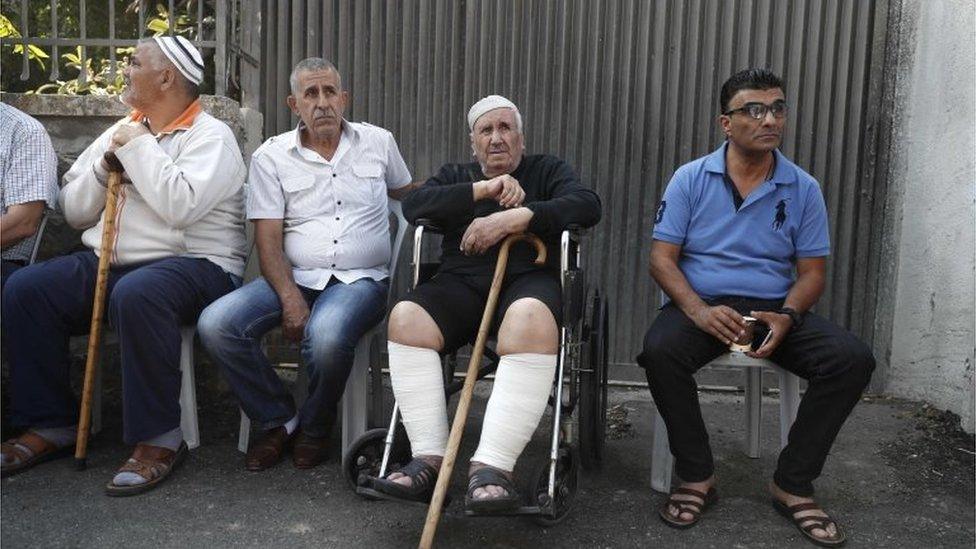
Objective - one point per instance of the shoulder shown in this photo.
(806, 184)
(274, 145)
(691, 173)
(20, 123)
(373, 135)
(207, 125)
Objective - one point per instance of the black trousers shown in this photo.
(836, 365)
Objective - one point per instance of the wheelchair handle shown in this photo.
(429, 225)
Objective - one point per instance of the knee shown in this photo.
(214, 324)
(859, 359)
(21, 288)
(410, 324)
(528, 327)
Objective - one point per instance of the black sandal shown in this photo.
(806, 525)
(692, 507)
(423, 478)
(490, 476)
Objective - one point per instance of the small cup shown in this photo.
(744, 343)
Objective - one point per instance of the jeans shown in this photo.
(836, 365)
(45, 303)
(231, 329)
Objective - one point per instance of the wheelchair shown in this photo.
(578, 403)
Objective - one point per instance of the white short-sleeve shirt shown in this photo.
(334, 211)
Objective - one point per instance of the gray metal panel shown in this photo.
(626, 91)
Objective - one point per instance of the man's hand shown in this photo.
(294, 316)
(503, 189)
(779, 325)
(485, 232)
(720, 321)
(123, 134)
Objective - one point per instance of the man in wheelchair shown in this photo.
(477, 205)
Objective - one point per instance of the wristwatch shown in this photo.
(796, 317)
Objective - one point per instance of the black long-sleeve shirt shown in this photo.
(553, 192)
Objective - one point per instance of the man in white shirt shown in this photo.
(179, 244)
(318, 200)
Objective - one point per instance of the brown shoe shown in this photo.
(267, 450)
(309, 451)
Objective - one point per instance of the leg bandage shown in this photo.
(518, 399)
(418, 385)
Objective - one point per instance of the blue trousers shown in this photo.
(45, 303)
(231, 329)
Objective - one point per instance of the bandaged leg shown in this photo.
(519, 396)
(418, 385)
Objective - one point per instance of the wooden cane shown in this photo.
(98, 307)
(461, 416)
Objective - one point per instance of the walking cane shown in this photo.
(98, 306)
(454, 441)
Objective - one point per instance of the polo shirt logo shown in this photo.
(780, 215)
(660, 212)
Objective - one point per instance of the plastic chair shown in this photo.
(355, 397)
(662, 462)
(37, 238)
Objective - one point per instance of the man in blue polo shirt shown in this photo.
(729, 233)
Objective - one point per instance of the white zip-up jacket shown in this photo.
(186, 196)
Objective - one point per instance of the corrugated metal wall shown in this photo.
(626, 91)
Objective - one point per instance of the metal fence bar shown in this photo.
(55, 71)
(142, 17)
(220, 56)
(172, 17)
(83, 28)
(25, 69)
(111, 36)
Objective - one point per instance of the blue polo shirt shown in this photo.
(749, 252)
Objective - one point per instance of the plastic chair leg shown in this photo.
(662, 462)
(789, 403)
(244, 434)
(188, 392)
(753, 410)
(355, 398)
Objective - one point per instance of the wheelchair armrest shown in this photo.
(429, 226)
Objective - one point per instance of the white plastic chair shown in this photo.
(188, 393)
(662, 462)
(355, 398)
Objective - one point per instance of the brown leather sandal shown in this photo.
(806, 525)
(30, 449)
(692, 507)
(152, 463)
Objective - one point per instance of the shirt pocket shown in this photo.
(300, 196)
(367, 182)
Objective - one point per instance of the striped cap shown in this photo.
(184, 55)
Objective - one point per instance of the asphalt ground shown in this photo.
(900, 475)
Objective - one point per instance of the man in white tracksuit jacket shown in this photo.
(179, 244)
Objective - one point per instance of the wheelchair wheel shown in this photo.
(594, 379)
(567, 483)
(366, 454)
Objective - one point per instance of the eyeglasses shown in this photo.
(758, 110)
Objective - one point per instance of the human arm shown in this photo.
(811, 275)
(20, 222)
(182, 190)
(82, 196)
(277, 271)
(567, 201)
(721, 321)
